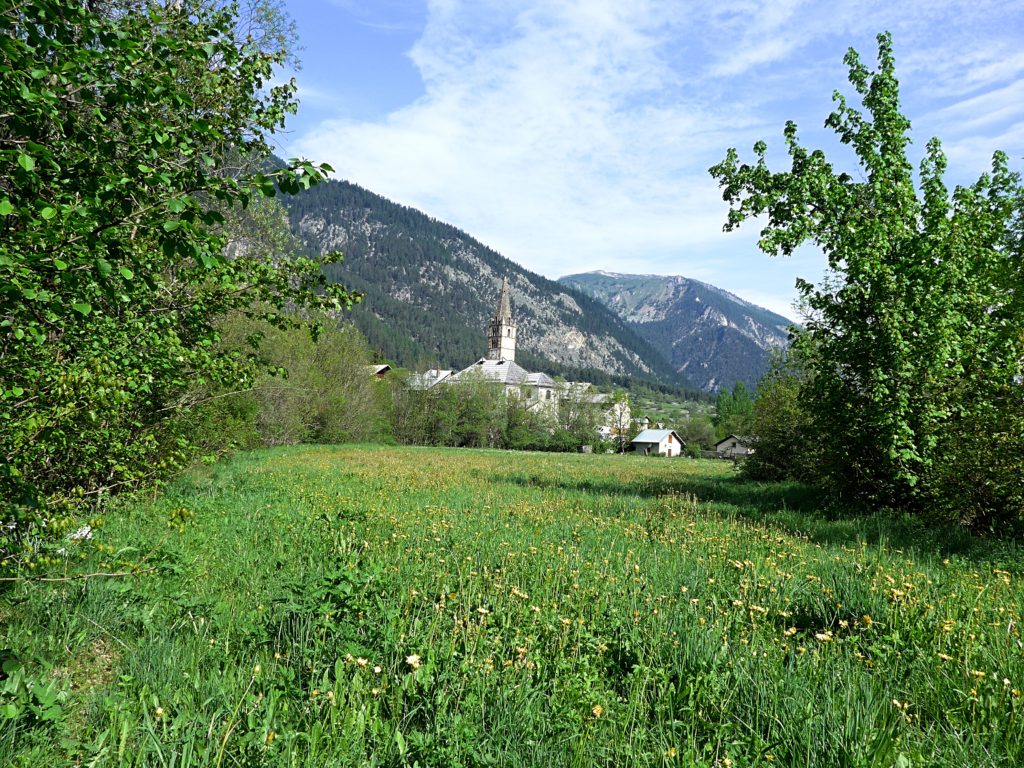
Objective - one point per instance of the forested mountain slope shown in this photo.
(431, 288)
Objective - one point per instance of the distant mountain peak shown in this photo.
(711, 335)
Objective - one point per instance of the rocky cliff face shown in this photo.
(708, 335)
(430, 290)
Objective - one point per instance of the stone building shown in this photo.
(537, 390)
(499, 364)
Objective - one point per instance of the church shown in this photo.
(499, 364)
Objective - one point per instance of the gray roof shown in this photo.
(428, 379)
(502, 371)
(540, 380)
(655, 436)
(746, 440)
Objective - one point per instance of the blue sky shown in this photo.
(576, 135)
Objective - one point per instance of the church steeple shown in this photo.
(501, 331)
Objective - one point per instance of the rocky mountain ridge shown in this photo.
(709, 335)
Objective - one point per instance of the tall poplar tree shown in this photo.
(917, 344)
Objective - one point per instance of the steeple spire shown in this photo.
(504, 306)
(501, 331)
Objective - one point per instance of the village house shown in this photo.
(616, 418)
(658, 442)
(734, 446)
(429, 378)
(379, 370)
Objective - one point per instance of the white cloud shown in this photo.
(985, 110)
(576, 135)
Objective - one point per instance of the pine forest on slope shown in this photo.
(431, 288)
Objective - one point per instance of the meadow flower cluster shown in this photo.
(464, 608)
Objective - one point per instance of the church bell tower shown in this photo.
(501, 331)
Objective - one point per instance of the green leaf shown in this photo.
(104, 268)
(48, 212)
(170, 225)
(17, 391)
(27, 162)
(126, 273)
(60, 264)
(82, 308)
(6, 209)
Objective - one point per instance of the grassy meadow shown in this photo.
(375, 606)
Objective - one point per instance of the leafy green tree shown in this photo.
(916, 338)
(723, 406)
(123, 134)
(480, 406)
(523, 427)
(311, 389)
(578, 416)
(786, 439)
(620, 412)
(733, 410)
(698, 433)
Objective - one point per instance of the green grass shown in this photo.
(399, 606)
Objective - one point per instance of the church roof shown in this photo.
(502, 371)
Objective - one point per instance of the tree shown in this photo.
(123, 141)
(620, 419)
(733, 410)
(577, 416)
(698, 433)
(785, 439)
(916, 338)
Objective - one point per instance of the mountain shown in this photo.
(430, 290)
(708, 335)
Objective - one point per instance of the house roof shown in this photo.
(428, 379)
(743, 439)
(377, 370)
(540, 380)
(655, 436)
